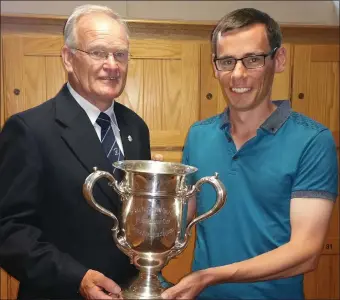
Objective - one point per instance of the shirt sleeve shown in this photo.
(317, 174)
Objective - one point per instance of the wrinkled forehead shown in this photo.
(100, 28)
(240, 41)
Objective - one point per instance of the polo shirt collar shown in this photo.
(273, 122)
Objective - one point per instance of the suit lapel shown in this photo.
(80, 136)
(128, 139)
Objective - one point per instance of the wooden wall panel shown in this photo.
(133, 94)
(56, 75)
(162, 93)
(35, 81)
(282, 81)
(13, 75)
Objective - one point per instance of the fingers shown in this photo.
(97, 293)
(158, 157)
(179, 291)
(97, 286)
(108, 284)
(169, 293)
(116, 296)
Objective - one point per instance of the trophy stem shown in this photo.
(146, 286)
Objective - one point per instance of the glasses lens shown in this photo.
(121, 56)
(225, 64)
(253, 62)
(98, 55)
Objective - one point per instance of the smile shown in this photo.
(240, 90)
(110, 78)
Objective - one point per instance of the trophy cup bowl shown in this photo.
(153, 223)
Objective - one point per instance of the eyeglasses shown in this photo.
(250, 62)
(121, 56)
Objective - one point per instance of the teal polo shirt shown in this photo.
(291, 156)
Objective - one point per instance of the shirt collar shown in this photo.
(91, 110)
(273, 122)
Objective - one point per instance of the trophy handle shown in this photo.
(88, 185)
(88, 194)
(221, 199)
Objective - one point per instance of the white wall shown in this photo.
(304, 12)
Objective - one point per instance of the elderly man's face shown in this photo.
(98, 80)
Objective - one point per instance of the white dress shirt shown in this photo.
(93, 113)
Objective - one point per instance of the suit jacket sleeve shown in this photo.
(24, 250)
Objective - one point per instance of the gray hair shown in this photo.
(70, 37)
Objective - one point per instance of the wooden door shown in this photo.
(316, 94)
(162, 87)
(212, 100)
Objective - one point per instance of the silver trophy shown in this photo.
(153, 223)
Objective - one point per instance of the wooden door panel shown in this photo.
(33, 71)
(318, 285)
(162, 90)
(13, 68)
(156, 49)
(162, 87)
(133, 94)
(282, 81)
(212, 100)
(42, 46)
(34, 81)
(56, 75)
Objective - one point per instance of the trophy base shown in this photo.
(146, 286)
(146, 296)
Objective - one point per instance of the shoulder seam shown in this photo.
(207, 121)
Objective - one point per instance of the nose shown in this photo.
(110, 62)
(240, 71)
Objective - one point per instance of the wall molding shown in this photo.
(52, 24)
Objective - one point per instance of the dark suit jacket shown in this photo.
(49, 235)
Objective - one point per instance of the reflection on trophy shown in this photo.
(153, 223)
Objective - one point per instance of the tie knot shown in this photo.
(103, 120)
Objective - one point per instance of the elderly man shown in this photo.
(279, 168)
(51, 240)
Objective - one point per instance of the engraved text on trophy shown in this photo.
(152, 223)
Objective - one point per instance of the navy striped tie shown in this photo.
(108, 140)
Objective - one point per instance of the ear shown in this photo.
(67, 57)
(214, 67)
(280, 60)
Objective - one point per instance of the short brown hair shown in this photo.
(243, 17)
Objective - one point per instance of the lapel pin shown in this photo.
(130, 138)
